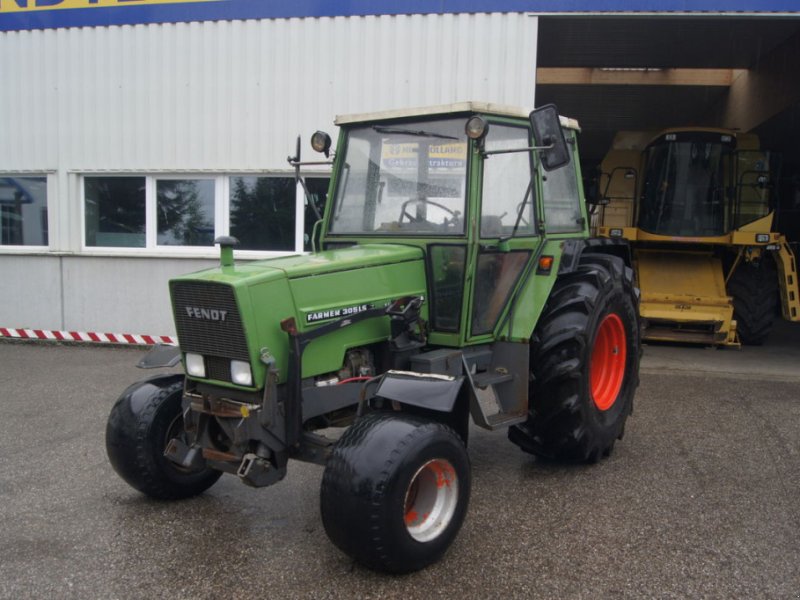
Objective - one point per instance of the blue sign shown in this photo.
(46, 14)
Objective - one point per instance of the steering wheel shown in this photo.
(413, 219)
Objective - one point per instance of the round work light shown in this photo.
(321, 142)
(476, 128)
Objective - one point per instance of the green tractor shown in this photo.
(456, 280)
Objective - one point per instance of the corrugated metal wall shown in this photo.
(233, 95)
(214, 96)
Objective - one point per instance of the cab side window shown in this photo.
(562, 203)
(507, 200)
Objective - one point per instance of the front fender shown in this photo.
(137, 394)
(123, 427)
(435, 392)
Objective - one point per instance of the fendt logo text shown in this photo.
(206, 314)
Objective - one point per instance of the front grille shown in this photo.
(208, 322)
(218, 368)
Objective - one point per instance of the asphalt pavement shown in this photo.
(699, 500)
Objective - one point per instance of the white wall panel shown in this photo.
(103, 294)
(31, 292)
(216, 96)
(122, 295)
(233, 95)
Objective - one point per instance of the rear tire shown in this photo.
(754, 288)
(584, 363)
(395, 491)
(143, 420)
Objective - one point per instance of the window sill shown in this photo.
(210, 254)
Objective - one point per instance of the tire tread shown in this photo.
(558, 426)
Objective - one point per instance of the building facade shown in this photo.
(136, 131)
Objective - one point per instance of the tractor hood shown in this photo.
(309, 265)
(235, 312)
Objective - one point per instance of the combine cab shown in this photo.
(696, 206)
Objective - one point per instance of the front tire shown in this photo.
(754, 289)
(144, 419)
(584, 363)
(395, 492)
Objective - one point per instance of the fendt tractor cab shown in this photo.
(697, 207)
(455, 280)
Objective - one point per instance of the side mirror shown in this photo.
(591, 191)
(549, 136)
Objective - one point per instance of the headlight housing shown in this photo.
(241, 373)
(195, 365)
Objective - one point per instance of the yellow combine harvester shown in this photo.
(695, 206)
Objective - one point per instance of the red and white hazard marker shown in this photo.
(87, 336)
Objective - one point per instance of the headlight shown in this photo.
(195, 365)
(240, 373)
(762, 238)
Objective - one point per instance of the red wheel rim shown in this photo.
(607, 367)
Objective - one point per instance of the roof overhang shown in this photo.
(464, 108)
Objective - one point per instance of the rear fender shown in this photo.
(573, 249)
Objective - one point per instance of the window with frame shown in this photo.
(562, 202)
(23, 210)
(496, 275)
(148, 212)
(403, 180)
(185, 212)
(263, 212)
(317, 188)
(115, 211)
(447, 266)
(507, 205)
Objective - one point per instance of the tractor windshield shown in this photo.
(402, 179)
(687, 183)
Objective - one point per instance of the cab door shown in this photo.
(508, 232)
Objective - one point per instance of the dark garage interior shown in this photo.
(654, 72)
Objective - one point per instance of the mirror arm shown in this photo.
(309, 163)
(513, 150)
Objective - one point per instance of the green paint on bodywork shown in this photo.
(269, 291)
(317, 288)
(532, 297)
(536, 290)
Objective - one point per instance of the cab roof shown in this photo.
(487, 108)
